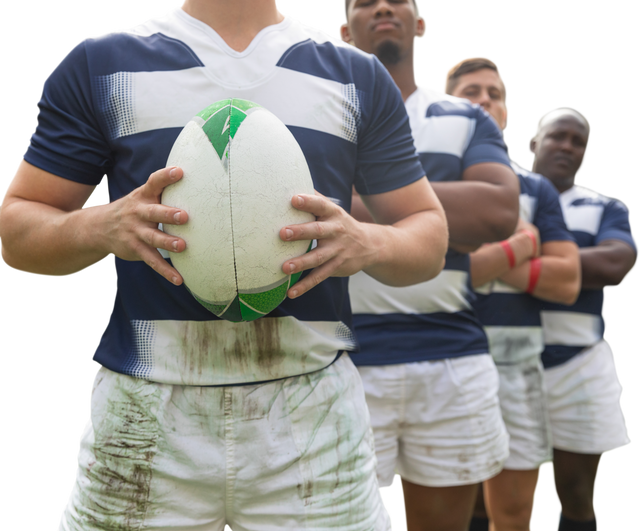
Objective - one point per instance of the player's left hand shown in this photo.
(344, 244)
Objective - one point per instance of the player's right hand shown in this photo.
(133, 233)
(531, 229)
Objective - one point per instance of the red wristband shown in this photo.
(534, 240)
(506, 246)
(535, 266)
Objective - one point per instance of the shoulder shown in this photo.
(580, 196)
(438, 103)
(315, 53)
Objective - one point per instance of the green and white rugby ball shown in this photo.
(242, 167)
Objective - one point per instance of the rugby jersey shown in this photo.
(115, 106)
(434, 319)
(512, 317)
(592, 218)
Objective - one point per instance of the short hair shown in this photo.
(467, 67)
(346, 3)
(556, 114)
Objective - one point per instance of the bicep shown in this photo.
(390, 207)
(35, 185)
(493, 173)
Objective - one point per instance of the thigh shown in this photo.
(453, 433)
(134, 472)
(575, 476)
(306, 460)
(384, 388)
(583, 399)
(524, 412)
(438, 508)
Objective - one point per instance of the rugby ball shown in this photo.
(242, 167)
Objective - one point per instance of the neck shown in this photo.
(237, 22)
(561, 183)
(403, 74)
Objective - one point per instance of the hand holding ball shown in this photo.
(241, 168)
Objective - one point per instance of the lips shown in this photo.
(386, 25)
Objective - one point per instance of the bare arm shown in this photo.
(491, 261)
(406, 246)
(606, 264)
(483, 207)
(559, 279)
(44, 228)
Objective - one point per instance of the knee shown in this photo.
(576, 498)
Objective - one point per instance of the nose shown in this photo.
(383, 8)
(484, 100)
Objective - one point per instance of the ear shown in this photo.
(420, 27)
(346, 34)
(530, 146)
(506, 115)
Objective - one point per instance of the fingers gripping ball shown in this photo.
(241, 168)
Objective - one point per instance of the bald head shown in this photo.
(559, 146)
(562, 113)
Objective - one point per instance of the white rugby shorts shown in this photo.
(437, 423)
(291, 454)
(525, 414)
(583, 399)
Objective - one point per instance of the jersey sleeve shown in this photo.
(614, 224)
(68, 141)
(387, 158)
(486, 143)
(548, 217)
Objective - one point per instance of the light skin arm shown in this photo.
(45, 230)
(490, 261)
(606, 264)
(387, 250)
(559, 279)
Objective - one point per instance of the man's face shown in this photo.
(485, 88)
(559, 148)
(385, 28)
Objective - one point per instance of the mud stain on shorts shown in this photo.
(116, 496)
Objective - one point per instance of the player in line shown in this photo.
(187, 431)
(583, 392)
(430, 383)
(539, 262)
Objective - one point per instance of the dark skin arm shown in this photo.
(481, 208)
(471, 222)
(606, 264)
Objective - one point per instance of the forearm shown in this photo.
(558, 280)
(409, 251)
(39, 238)
(605, 264)
(478, 212)
(492, 260)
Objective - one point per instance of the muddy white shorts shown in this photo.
(291, 454)
(583, 399)
(524, 412)
(437, 423)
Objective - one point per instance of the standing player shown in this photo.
(583, 392)
(431, 386)
(510, 310)
(199, 422)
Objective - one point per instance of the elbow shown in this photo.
(569, 295)
(503, 223)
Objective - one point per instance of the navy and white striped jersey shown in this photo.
(116, 105)
(512, 317)
(434, 319)
(592, 218)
